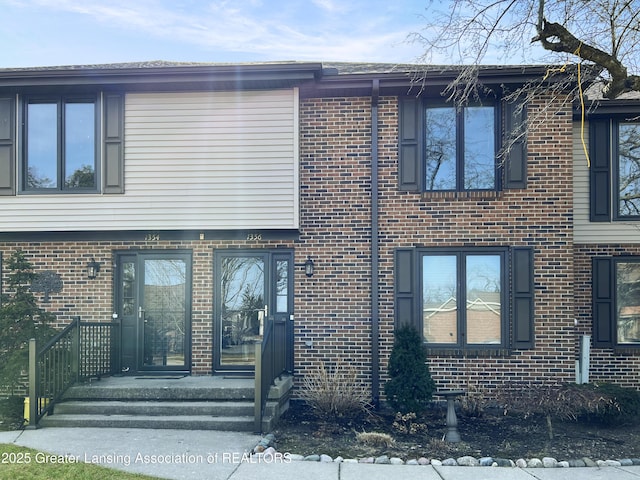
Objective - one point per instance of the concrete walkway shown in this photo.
(185, 454)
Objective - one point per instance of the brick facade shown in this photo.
(620, 366)
(333, 315)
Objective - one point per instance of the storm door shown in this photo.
(154, 308)
(253, 291)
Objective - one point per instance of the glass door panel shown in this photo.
(242, 308)
(163, 313)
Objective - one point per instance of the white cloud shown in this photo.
(321, 30)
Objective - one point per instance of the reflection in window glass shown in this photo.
(479, 148)
(629, 169)
(484, 312)
(282, 286)
(440, 166)
(439, 299)
(128, 288)
(79, 158)
(42, 145)
(628, 301)
(242, 291)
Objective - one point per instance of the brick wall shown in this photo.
(606, 365)
(93, 300)
(539, 216)
(333, 308)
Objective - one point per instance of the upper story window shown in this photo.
(614, 174)
(60, 149)
(444, 148)
(628, 169)
(460, 148)
(65, 144)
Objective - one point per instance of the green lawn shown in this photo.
(20, 463)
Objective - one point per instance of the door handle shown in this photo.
(141, 314)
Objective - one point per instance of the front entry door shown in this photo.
(252, 287)
(154, 307)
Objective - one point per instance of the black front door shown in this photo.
(251, 287)
(154, 307)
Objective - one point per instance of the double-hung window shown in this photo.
(616, 301)
(467, 298)
(60, 144)
(460, 148)
(614, 174)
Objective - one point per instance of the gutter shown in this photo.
(375, 248)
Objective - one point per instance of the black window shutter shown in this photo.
(7, 146)
(522, 289)
(113, 181)
(600, 172)
(405, 288)
(410, 144)
(515, 133)
(602, 292)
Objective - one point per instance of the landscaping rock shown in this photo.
(468, 461)
(312, 458)
(521, 463)
(351, 460)
(563, 464)
(338, 459)
(626, 462)
(636, 461)
(549, 462)
(366, 460)
(413, 461)
(588, 462)
(449, 462)
(425, 461)
(535, 463)
(295, 457)
(577, 463)
(326, 458)
(612, 463)
(269, 453)
(434, 462)
(382, 460)
(396, 461)
(486, 461)
(504, 462)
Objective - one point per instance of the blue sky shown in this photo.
(79, 32)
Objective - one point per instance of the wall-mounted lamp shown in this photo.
(309, 266)
(93, 268)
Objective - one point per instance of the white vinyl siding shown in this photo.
(193, 161)
(586, 232)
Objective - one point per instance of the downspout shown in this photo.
(375, 312)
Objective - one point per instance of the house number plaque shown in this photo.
(254, 237)
(152, 237)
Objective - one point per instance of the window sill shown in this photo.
(469, 352)
(627, 350)
(475, 195)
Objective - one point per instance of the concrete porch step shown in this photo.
(184, 389)
(179, 422)
(154, 408)
(204, 403)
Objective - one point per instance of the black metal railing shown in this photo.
(80, 351)
(270, 364)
